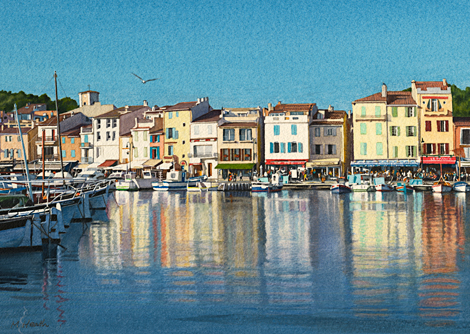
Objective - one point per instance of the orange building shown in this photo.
(71, 145)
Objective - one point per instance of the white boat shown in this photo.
(441, 186)
(461, 186)
(381, 185)
(175, 180)
(274, 185)
(362, 187)
(128, 183)
(88, 175)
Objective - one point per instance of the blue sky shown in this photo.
(237, 53)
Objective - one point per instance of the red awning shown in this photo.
(285, 162)
(438, 160)
(108, 163)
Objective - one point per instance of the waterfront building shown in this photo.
(203, 153)
(386, 130)
(11, 148)
(71, 145)
(239, 138)
(157, 139)
(286, 140)
(330, 142)
(462, 140)
(177, 120)
(86, 145)
(90, 105)
(111, 130)
(140, 148)
(436, 129)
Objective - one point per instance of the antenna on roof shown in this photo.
(88, 87)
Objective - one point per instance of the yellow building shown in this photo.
(386, 127)
(177, 120)
(435, 107)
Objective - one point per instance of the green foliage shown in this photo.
(8, 99)
(460, 101)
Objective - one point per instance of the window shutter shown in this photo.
(396, 151)
(438, 126)
(325, 131)
(167, 133)
(289, 147)
(394, 111)
(363, 111)
(283, 147)
(334, 131)
(271, 147)
(176, 134)
(447, 148)
(398, 131)
(414, 131)
(377, 111)
(299, 145)
(433, 148)
(390, 131)
(334, 149)
(429, 104)
(440, 106)
(447, 125)
(321, 149)
(424, 149)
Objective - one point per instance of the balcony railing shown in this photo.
(49, 157)
(87, 160)
(47, 138)
(85, 145)
(204, 155)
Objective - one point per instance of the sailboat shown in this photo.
(460, 186)
(441, 186)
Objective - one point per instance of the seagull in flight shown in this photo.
(144, 81)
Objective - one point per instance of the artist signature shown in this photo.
(29, 324)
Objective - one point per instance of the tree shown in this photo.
(8, 100)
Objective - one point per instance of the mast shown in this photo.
(58, 128)
(24, 156)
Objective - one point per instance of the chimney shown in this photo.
(126, 108)
(279, 103)
(270, 107)
(444, 82)
(331, 108)
(146, 103)
(384, 90)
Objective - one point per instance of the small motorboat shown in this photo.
(461, 187)
(441, 186)
(340, 188)
(381, 185)
(404, 187)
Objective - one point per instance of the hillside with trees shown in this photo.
(8, 99)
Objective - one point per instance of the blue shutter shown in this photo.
(271, 147)
(158, 152)
(72, 153)
(289, 147)
(299, 146)
(167, 133)
(283, 147)
(176, 134)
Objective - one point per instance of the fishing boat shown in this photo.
(441, 186)
(175, 181)
(381, 185)
(461, 186)
(340, 187)
(129, 183)
(403, 187)
(275, 185)
(418, 185)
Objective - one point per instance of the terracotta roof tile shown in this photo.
(180, 106)
(293, 107)
(239, 124)
(212, 116)
(8, 131)
(424, 85)
(393, 97)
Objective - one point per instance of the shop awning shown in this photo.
(108, 163)
(385, 163)
(121, 167)
(438, 160)
(285, 162)
(152, 163)
(322, 162)
(165, 166)
(234, 166)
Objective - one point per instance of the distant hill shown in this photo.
(8, 99)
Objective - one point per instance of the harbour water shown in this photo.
(213, 262)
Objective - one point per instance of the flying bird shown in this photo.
(144, 81)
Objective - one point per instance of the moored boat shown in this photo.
(340, 188)
(381, 185)
(461, 186)
(441, 186)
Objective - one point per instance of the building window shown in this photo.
(108, 136)
(411, 151)
(283, 147)
(114, 123)
(435, 105)
(465, 137)
(363, 148)
(63, 140)
(225, 154)
(363, 128)
(317, 148)
(245, 134)
(429, 148)
(411, 131)
(378, 128)
(72, 153)
(277, 130)
(330, 131)
(379, 148)
(229, 134)
(63, 154)
(442, 126)
(330, 149)
(236, 154)
(114, 135)
(394, 112)
(98, 136)
(292, 147)
(98, 124)
(363, 111)
(171, 133)
(170, 150)
(293, 129)
(444, 148)
(395, 151)
(394, 131)
(158, 138)
(428, 125)
(72, 140)
(170, 115)
(86, 138)
(378, 112)
(144, 136)
(177, 114)
(97, 152)
(247, 154)
(410, 112)
(317, 132)
(108, 123)
(276, 147)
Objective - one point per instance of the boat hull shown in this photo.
(383, 188)
(340, 189)
(169, 186)
(461, 187)
(12, 231)
(441, 188)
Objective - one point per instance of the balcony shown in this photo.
(48, 141)
(86, 160)
(49, 157)
(204, 155)
(85, 145)
(371, 118)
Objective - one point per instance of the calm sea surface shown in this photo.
(291, 262)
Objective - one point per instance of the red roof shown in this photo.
(108, 163)
(181, 106)
(393, 97)
(424, 85)
(293, 107)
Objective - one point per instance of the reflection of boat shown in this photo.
(441, 186)
(128, 183)
(461, 186)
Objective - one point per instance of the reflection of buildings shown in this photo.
(442, 236)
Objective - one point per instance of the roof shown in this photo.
(212, 116)
(424, 85)
(72, 133)
(158, 127)
(116, 113)
(51, 121)
(181, 106)
(89, 91)
(293, 107)
(8, 131)
(239, 124)
(461, 121)
(393, 97)
(27, 109)
(337, 114)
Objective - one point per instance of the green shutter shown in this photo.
(377, 111)
(363, 111)
(394, 111)
(395, 151)
(378, 128)
(363, 128)
(398, 131)
(379, 148)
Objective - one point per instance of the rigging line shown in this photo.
(63, 91)
(45, 86)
